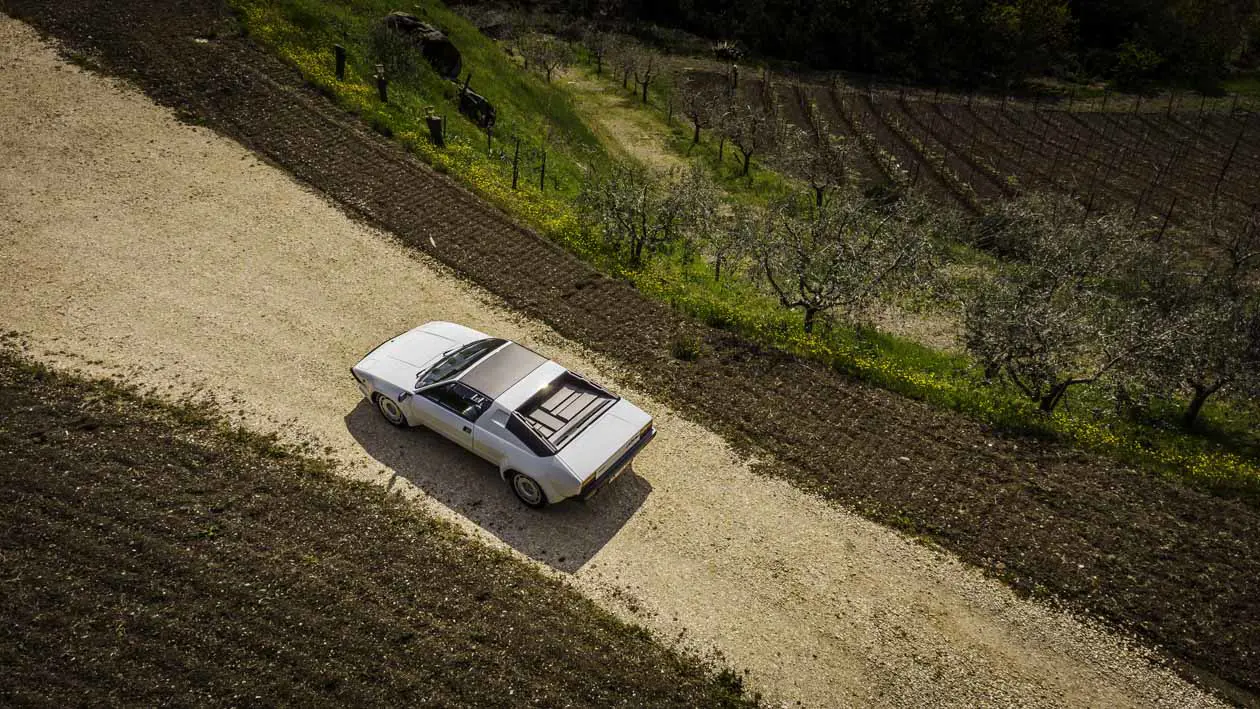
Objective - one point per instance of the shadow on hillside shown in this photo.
(564, 536)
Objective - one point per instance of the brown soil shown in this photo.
(155, 558)
(1173, 564)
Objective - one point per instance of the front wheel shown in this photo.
(390, 410)
(528, 490)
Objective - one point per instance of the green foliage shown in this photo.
(686, 347)
(544, 118)
(1135, 65)
(1005, 40)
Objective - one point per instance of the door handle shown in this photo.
(467, 429)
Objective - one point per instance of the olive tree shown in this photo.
(842, 256)
(1211, 298)
(1060, 311)
(546, 53)
(642, 212)
(1216, 347)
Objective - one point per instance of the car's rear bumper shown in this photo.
(616, 469)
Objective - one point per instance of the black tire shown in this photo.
(390, 410)
(527, 490)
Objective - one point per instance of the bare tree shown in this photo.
(624, 57)
(734, 237)
(844, 255)
(646, 68)
(755, 128)
(709, 217)
(639, 211)
(598, 43)
(545, 52)
(814, 154)
(701, 103)
(1058, 315)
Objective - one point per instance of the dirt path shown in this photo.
(621, 125)
(138, 246)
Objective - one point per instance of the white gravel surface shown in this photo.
(132, 245)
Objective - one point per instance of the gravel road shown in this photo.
(139, 247)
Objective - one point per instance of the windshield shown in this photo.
(456, 361)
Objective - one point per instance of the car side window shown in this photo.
(459, 398)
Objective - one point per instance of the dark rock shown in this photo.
(433, 44)
(478, 109)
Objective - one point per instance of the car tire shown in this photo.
(527, 490)
(390, 410)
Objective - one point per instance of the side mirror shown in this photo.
(404, 396)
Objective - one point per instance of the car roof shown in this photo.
(497, 372)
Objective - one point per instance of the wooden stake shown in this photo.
(516, 163)
(1167, 216)
(1229, 159)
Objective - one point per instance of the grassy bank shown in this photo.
(303, 31)
(155, 556)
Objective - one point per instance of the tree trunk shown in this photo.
(599, 65)
(1051, 400)
(717, 269)
(818, 196)
(542, 174)
(695, 134)
(747, 164)
(721, 147)
(811, 314)
(1201, 394)
(645, 87)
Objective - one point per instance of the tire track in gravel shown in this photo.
(1175, 565)
(164, 253)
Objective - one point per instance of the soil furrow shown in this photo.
(1098, 539)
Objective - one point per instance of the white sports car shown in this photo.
(553, 433)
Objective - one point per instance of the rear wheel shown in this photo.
(528, 490)
(390, 410)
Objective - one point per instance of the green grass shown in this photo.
(303, 32)
(1247, 84)
(1221, 456)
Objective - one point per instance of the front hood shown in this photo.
(604, 440)
(401, 359)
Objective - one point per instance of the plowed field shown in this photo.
(1175, 565)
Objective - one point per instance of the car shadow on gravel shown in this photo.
(564, 536)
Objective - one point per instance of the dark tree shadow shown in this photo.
(564, 536)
